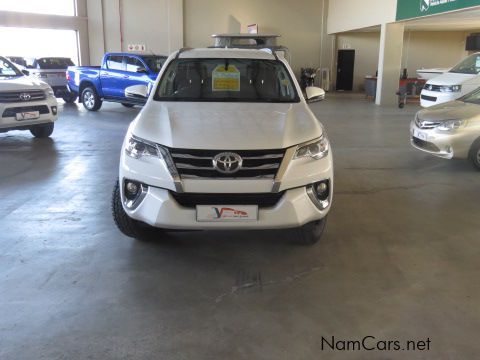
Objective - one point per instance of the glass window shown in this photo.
(53, 63)
(133, 64)
(242, 80)
(7, 69)
(471, 65)
(473, 97)
(154, 63)
(29, 44)
(50, 7)
(115, 62)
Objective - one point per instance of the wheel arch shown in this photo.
(84, 84)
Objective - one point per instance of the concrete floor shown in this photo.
(399, 260)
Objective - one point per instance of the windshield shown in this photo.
(53, 63)
(7, 69)
(242, 80)
(154, 63)
(473, 97)
(471, 65)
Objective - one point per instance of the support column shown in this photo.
(389, 63)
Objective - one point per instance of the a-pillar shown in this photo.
(389, 63)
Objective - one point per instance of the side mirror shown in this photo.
(314, 94)
(26, 72)
(137, 92)
(141, 70)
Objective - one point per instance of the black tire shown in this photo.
(127, 105)
(42, 131)
(128, 226)
(311, 233)
(474, 154)
(401, 105)
(90, 99)
(70, 98)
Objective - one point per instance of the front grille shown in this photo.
(426, 124)
(429, 98)
(199, 163)
(12, 112)
(21, 96)
(433, 87)
(263, 200)
(425, 145)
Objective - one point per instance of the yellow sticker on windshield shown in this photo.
(226, 79)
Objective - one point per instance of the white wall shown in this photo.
(422, 49)
(366, 46)
(347, 15)
(426, 49)
(299, 24)
(158, 24)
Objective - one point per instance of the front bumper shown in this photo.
(159, 208)
(8, 120)
(295, 208)
(447, 145)
(430, 98)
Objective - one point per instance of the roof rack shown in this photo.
(251, 41)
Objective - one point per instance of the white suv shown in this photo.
(226, 140)
(25, 103)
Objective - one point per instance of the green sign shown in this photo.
(409, 9)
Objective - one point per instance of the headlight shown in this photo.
(49, 92)
(139, 148)
(452, 88)
(451, 125)
(316, 150)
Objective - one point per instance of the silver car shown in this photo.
(450, 130)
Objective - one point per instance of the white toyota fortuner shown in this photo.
(226, 140)
(25, 103)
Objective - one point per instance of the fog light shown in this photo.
(131, 188)
(319, 193)
(321, 189)
(134, 193)
(54, 110)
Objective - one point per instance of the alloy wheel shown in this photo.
(89, 100)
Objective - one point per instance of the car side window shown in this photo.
(115, 62)
(133, 64)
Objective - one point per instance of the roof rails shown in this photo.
(182, 50)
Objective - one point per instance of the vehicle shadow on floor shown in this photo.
(26, 159)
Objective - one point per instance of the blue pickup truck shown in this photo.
(95, 84)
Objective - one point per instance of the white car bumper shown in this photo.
(161, 205)
(48, 112)
(430, 98)
(160, 209)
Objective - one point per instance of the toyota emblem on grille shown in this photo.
(25, 96)
(227, 162)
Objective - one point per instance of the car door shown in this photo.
(137, 72)
(112, 76)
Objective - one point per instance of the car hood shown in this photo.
(449, 111)
(21, 83)
(226, 126)
(450, 78)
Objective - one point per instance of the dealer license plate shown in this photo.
(227, 213)
(28, 115)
